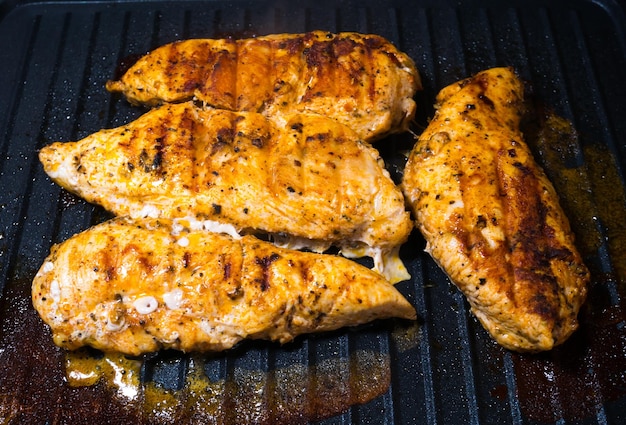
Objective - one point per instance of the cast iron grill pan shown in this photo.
(444, 369)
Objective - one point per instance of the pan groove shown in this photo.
(449, 371)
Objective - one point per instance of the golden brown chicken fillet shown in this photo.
(140, 286)
(311, 184)
(492, 219)
(360, 80)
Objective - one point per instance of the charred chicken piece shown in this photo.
(138, 286)
(360, 80)
(311, 184)
(492, 219)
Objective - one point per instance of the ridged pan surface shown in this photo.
(442, 369)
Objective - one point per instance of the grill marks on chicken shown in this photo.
(311, 184)
(360, 80)
(137, 286)
(274, 144)
(491, 218)
(277, 146)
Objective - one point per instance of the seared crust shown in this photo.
(137, 286)
(491, 218)
(359, 80)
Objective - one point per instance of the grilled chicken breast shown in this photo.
(360, 80)
(139, 286)
(492, 219)
(311, 184)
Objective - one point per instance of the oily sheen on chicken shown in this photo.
(310, 184)
(360, 80)
(491, 218)
(138, 286)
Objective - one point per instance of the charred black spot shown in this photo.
(278, 85)
(318, 319)
(144, 160)
(273, 257)
(542, 306)
(217, 209)
(481, 222)
(234, 293)
(483, 98)
(225, 135)
(157, 161)
(217, 146)
(297, 127)
(319, 136)
(265, 263)
(524, 169)
(559, 253)
(258, 142)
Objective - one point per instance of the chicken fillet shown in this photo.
(360, 80)
(140, 286)
(310, 184)
(491, 218)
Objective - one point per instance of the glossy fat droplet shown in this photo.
(146, 305)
